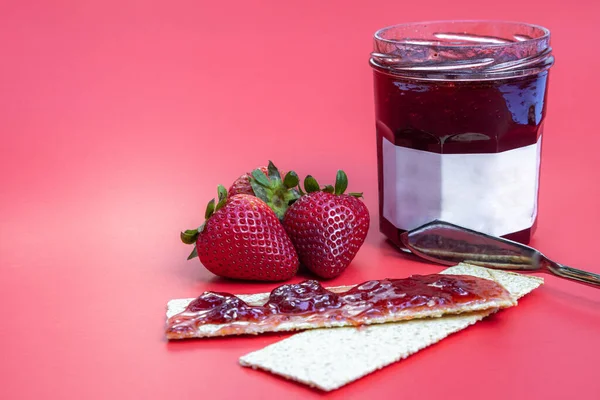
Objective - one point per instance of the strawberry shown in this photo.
(266, 183)
(242, 238)
(327, 227)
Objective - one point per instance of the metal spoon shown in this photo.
(449, 244)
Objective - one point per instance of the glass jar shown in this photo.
(460, 109)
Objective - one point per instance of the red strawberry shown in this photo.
(266, 183)
(327, 227)
(242, 238)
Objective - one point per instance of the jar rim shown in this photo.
(462, 49)
(544, 33)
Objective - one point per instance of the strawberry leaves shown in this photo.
(260, 179)
(277, 193)
(210, 209)
(291, 180)
(273, 172)
(193, 254)
(222, 193)
(189, 236)
(341, 184)
(310, 184)
(328, 189)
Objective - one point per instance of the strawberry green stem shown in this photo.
(277, 193)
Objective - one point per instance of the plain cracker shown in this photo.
(331, 358)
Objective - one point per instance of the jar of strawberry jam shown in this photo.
(460, 109)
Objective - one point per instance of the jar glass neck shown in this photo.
(463, 50)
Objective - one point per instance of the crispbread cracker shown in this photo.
(301, 322)
(331, 358)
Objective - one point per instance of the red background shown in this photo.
(119, 118)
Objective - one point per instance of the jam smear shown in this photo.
(313, 303)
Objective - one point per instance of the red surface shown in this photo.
(118, 119)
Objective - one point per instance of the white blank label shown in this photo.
(492, 193)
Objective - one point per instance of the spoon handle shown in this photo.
(575, 274)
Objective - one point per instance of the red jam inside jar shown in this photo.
(460, 109)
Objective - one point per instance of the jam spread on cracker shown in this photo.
(311, 302)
